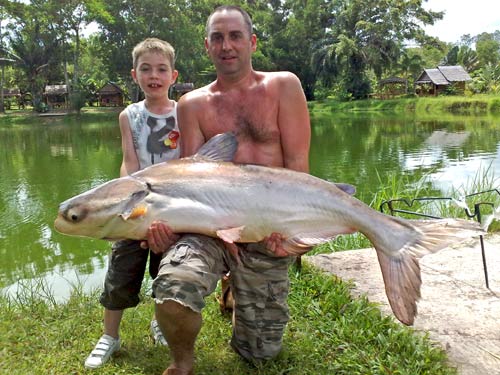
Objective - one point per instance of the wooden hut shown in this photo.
(110, 95)
(391, 87)
(179, 89)
(9, 97)
(56, 96)
(436, 81)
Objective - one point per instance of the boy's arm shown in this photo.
(130, 161)
(160, 237)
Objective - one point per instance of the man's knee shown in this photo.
(171, 309)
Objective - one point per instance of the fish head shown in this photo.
(111, 211)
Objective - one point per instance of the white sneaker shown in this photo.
(106, 346)
(157, 334)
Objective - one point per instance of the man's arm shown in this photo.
(294, 124)
(192, 137)
(295, 131)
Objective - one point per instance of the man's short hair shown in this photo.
(153, 45)
(227, 8)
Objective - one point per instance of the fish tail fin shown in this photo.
(400, 267)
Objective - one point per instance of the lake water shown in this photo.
(52, 159)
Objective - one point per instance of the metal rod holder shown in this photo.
(475, 214)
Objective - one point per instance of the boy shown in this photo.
(150, 135)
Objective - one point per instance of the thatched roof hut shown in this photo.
(179, 89)
(56, 96)
(436, 81)
(110, 95)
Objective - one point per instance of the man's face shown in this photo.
(228, 43)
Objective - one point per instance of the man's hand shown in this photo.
(159, 238)
(274, 243)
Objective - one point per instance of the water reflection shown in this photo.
(43, 164)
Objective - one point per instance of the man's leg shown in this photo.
(188, 273)
(260, 289)
(181, 326)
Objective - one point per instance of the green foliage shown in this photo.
(335, 47)
(456, 105)
(77, 100)
(494, 105)
(357, 43)
(330, 332)
(488, 49)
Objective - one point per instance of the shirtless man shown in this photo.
(268, 113)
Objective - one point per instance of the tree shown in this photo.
(34, 44)
(488, 49)
(123, 24)
(368, 36)
(288, 31)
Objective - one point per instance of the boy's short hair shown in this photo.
(153, 45)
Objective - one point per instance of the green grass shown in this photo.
(329, 333)
(400, 187)
(455, 105)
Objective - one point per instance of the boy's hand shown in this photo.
(159, 238)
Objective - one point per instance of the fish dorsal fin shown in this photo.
(220, 147)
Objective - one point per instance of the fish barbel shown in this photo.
(207, 194)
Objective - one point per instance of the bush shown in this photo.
(495, 105)
(77, 100)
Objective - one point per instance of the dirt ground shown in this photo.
(456, 308)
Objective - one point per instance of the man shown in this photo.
(268, 113)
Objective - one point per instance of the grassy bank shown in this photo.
(329, 333)
(21, 117)
(460, 105)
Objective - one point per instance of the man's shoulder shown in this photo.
(282, 75)
(196, 93)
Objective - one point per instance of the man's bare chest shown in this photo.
(253, 119)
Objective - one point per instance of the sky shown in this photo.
(463, 17)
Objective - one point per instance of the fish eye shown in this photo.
(75, 216)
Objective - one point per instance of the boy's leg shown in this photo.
(122, 285)
(112, 320)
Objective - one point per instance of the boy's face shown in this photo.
(154, 74)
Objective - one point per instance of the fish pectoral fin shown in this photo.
(346, 188)
(134, 213)
(230, 235)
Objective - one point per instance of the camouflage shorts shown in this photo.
(191, 269)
